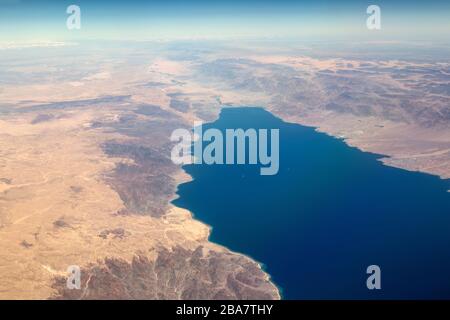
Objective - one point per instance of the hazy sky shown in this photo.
(41, 20)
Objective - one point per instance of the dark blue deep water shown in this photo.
(331, 211)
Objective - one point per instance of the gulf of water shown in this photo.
(329, 213)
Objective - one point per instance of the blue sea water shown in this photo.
(329, 213)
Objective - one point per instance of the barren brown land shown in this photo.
(86, 177)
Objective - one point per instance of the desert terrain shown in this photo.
(85, 172)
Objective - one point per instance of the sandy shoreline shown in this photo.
(184, 177)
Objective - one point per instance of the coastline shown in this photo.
(375, 143)
(183, 177)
